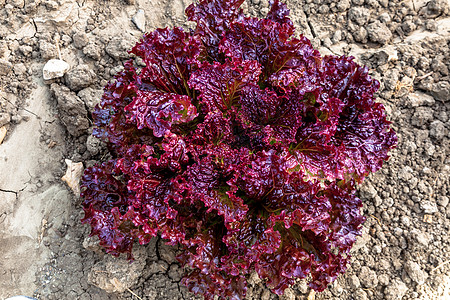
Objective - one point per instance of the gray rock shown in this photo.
(93, 51)
(80, 40)
(47, 50)
(436, 8)
(406, 173)
(20, 69)
(353, 282)
(80, 77)
(13, 45)
(118, 47)
(26, 50)
(385, 18)
(5, 118)
(385, 55)
(324, 9)
(117, 274)
(405, 221)
(327, 42)
(359, 15)
(383, 279)
(360, 35)
(368, 191)
(441, 90)
(429, 148)
(396, 290)
(423, 63)
(361, 241)
(438, 65)
(442, 116)
(17, 3)
(175, 272)
(114, 71)
(419, 237)
(92, 243)
(156, 267)
(418, 99)
(368, 278)
(51, 5)
(390, 79)
(384, 3)
(443, 201)
(422, 116)
(93, 145)
(90, 97)
(343, 5)
(55, 68)
(360, 294)
(415, 272)
(3, 47)
(379, 33)
(71, 110)
(167, 252)
(438, 130)
(337, 36)
(139, 20)
(428, 207)
(408, 27)
(336, 289)
(431, 25)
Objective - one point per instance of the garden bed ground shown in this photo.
(46, 252)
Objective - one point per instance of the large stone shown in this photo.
(353, 282)
(93, 51)
(80, 40)
(438, 130)
(368, 277)
(91, 97)
(422, 116)
(428, 207)
(80, 77)
(396, 290)
(139, 20)
(359, 15)
(118, 47)
(117, 274)
(415, 272)
(441, 90)
(5, 118)
(379, 32)
(55, 68)
(417, 99)
(71, 109)
(436, 8)
(5, 67)
(93, 145)
(48, 50)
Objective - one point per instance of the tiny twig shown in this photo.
(424, 76)
(17, 107)
(134, 294)
(378, 220)
(441, 265)
(57, 46)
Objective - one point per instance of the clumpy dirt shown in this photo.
(47, 253)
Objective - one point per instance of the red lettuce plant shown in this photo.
(242, 145)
